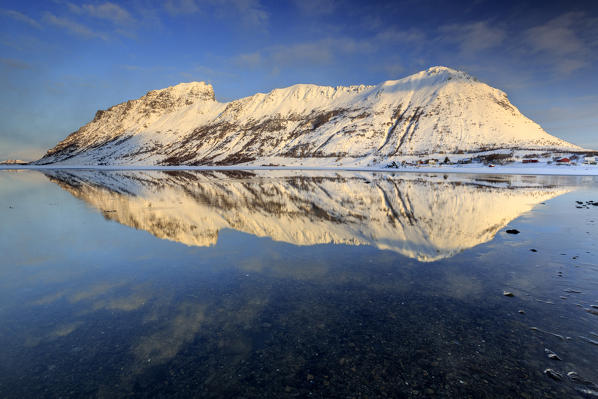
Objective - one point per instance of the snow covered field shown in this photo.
(510, 169)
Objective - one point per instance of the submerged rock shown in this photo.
(573, 375)
(572, 291)
(580, 380)
(553, 374)
(548, 332)
(589, 340)
(588, 392)
(551, 354)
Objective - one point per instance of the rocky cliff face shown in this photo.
(427, 219)
(437, 110)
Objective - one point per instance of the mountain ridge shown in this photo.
(439, 110)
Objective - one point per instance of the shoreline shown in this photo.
(560, 170)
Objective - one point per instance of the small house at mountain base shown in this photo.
(563, 161)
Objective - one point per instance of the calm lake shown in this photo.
(294, 284)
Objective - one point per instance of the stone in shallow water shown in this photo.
(573, 375)
(572, 291)
(553, 374)
(589, 340)
(551, 354)
(588, 392)
(550, 333)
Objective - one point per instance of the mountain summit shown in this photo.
(439, 110)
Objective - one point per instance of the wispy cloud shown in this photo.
(132, 67)
(392, 66)
(250, 13)
(568, 42)
(320, 52)
(249, 60)
(73, 27)
(473, 37)
(203, 72)
(316, 7)
(111, 17)
(18, 16)
(14, 64)
(107, 11)
(178, 7)
(394, 35)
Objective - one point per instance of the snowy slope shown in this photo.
(439, 110)
(427, 219)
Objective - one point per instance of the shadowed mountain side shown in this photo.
(423, 218)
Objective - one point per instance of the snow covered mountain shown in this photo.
(439, 110)
(427, 218)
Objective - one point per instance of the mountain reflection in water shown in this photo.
(423, 217)
(93, 308)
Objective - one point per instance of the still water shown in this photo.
(295, 284)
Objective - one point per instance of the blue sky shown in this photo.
(61, 61)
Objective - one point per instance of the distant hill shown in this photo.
(13, 162)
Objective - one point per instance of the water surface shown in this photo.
(289, 284)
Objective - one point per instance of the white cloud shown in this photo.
(109, 11)
(17, 16)
(206, 74)
(568, 42)
(316, 7)
(177, 7)
(121, 19)
(251, 13)
(132, 67)
(391, 65)
(72, 26)
(250, 60)
(392, 35)
(320, 52)
(473, 37)
(14, 64)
